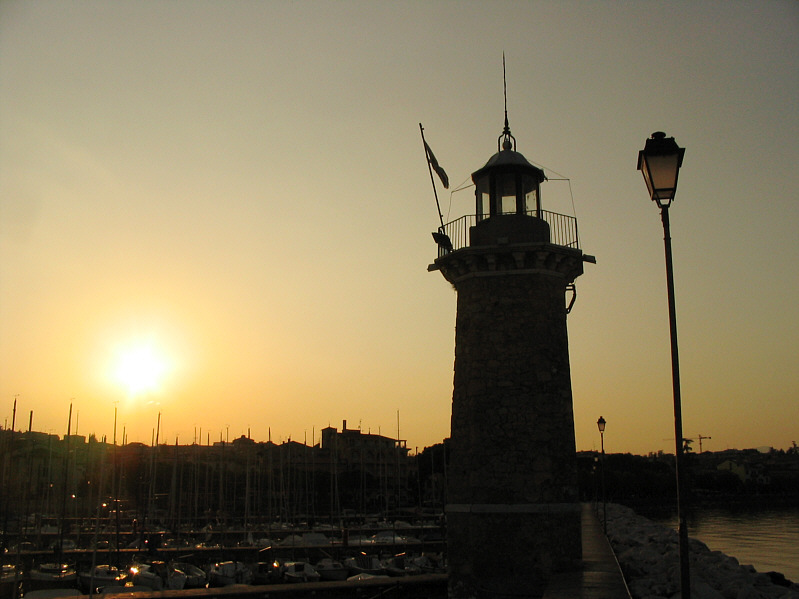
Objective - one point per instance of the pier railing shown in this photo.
(562, 230)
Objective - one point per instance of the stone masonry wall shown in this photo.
(513, 516)
(512, 421)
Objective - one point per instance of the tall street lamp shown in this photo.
(660, 163)
(601, 426)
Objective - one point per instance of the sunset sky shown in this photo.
(221, 211)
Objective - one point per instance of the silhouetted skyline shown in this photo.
(235, 197)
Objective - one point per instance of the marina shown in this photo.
(274, 555)
(95, 517)
(596, 576)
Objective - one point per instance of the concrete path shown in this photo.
(600, 576)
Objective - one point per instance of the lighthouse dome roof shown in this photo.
(510, 158)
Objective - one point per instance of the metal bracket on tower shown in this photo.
(573, 289)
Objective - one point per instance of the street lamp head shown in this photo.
(601, 424)
(660, 163)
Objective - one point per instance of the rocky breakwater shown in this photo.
(649, 557)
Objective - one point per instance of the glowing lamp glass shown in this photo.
(660, 163)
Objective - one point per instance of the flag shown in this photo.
(431, 158)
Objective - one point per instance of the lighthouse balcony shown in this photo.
(474, 230)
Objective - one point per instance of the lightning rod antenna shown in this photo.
(505, 90)
(506, 141)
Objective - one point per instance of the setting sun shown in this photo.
(141, 368)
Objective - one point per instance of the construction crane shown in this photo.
(686, 442)
(700, 437)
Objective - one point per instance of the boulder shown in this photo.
(649, 557)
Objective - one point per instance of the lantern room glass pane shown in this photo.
(531, 201)
(506, 193)
(508, 205)
(481, 193)
(530, 188)
(484, 204)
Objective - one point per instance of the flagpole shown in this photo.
(432, 180)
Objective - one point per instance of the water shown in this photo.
(766, 538)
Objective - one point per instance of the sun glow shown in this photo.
(141, 368)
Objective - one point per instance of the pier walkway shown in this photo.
(600, 576)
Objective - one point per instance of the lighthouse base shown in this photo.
(510, 550)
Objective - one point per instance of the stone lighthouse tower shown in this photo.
(512, 512)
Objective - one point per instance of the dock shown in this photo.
(423, 586)
(599, 576)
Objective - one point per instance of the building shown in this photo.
(368, 469)
(513, 515)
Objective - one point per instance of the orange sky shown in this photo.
(237, 193)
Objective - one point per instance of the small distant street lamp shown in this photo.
(660, 163)
(601, 426)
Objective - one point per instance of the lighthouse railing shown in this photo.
(562, 230)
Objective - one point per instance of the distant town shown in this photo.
(348, 474)
(761, 475)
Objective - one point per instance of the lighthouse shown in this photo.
(513, 517)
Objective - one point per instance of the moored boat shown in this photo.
(101, 577)
(10, 578)
(331, 569)
(400, 565)
(431, 563)
(267, 572)
(157, 576)
(300, 572)
(224, 574)
(52, 576)
(196, 578)
(364, 564)
(142, 574)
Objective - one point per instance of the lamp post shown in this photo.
(660, 163)
(601, 426)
